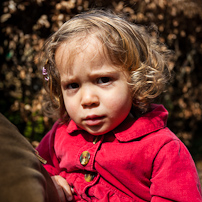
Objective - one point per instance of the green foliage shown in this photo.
(34, 127)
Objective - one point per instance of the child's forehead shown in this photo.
(87, 55)
(90, 48)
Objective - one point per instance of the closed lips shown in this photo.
(93, 117)
(93, 120)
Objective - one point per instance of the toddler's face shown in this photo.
(96, 94)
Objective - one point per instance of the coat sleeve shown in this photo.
(23, 177)
(174, 176)
(46, 150)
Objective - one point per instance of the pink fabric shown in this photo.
(138, 161)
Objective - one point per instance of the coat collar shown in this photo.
(152, 121)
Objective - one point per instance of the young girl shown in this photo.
(111, 143)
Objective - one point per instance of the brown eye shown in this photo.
(103, 80)
(72, 86)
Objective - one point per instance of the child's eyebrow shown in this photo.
(96, 73)
(100, 73)
(67, 79)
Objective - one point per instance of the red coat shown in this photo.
(137, 161)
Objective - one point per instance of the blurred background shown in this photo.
(25, 25)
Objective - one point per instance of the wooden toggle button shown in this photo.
(89, 177)
(84, 158)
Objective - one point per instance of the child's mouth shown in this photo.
(94, 120)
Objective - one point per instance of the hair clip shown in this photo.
(45, 73)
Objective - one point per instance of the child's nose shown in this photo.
(89, 98)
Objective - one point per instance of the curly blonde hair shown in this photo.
(125, 44)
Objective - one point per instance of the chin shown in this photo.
(96, 131)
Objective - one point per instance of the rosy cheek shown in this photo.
(70, 107)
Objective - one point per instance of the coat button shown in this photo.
(89, 177)
(84, 158)
(96, 139)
